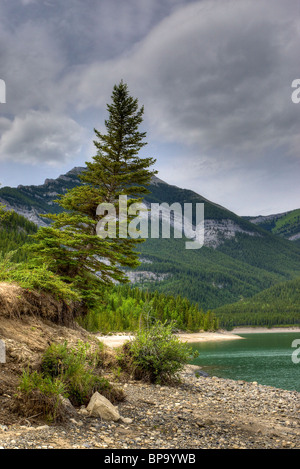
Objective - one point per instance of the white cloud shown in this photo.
(39, 138)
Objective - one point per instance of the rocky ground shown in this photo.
(200, 413)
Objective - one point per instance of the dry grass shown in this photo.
(12, 301)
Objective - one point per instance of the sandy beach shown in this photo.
(117, 340)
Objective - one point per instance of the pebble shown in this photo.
(200, 413)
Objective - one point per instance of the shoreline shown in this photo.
(116, 340)
(259, 329)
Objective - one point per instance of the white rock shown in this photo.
(102, 408)
(126, 420)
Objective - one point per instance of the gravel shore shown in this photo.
(200, 413)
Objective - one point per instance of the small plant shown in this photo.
(77, 368)
(156, 354)
(34, 277)
(65, 371)
(41, 395)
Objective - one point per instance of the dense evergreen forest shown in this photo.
(215, 277)
(14, 231)
(124, 308)
(278, 305)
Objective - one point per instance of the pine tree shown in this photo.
(70, 246)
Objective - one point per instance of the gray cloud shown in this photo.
(39, 138)
(214, 75)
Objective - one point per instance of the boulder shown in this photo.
(102, 408)
(68, 409)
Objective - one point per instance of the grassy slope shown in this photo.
(282, 225)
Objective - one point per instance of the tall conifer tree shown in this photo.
(70, 245)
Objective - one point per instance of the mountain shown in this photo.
(238, 260)
(32, 201)
(277, 305)
(286, 225)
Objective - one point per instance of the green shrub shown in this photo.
(41, 396)
(155, 355)
(77, 368)
(65, 371)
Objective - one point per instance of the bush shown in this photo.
(65, 371)
(76, 367)
(155, 355)
(40, 396)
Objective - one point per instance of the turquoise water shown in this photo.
(262, 357)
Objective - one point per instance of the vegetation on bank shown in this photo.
(155, 355)
(70, 262)
(73, 372)
(68, 266)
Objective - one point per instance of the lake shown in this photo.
(267, 358)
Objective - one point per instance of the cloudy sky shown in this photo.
(214, 76)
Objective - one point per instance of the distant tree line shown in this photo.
(125, 308)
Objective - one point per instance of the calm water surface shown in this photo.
(262, 357)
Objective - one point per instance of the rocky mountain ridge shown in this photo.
(35, 200)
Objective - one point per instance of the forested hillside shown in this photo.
(286, 225)
(238, 268)
(278, 305)
(14, 231)
(239, 258)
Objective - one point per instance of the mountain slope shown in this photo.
(238, 259)
(32, 201)
(286, 225)
(279, 304)
(14, 232)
